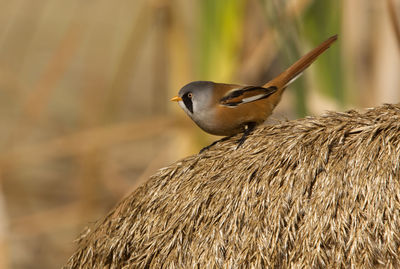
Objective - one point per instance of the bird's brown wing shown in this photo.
(246, 95)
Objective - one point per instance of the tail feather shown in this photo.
(296, 69)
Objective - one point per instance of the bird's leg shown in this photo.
(215, 142)
(248, 128)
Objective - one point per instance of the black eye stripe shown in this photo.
(188, 101)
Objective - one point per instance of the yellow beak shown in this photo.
(176, 99)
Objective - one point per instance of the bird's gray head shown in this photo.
(196, 97)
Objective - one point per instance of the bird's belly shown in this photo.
(214, 128)
(211, 124)
(226, 127)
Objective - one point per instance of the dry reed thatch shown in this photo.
(315, 192)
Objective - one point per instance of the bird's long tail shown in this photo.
(296, 69)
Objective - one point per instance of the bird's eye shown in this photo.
(190, 95)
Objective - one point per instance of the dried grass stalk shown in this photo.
(315, 192)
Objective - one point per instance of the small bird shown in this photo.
(228, 109)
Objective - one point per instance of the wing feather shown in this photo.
(246, 94)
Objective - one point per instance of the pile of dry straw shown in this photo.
(313, 192)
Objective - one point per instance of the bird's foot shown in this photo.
(248, 128)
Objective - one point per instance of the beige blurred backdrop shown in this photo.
(85, 115)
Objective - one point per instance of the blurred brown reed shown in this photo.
(394, 18)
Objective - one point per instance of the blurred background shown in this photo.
(85, 115)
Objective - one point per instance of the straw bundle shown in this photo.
(315, 192)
